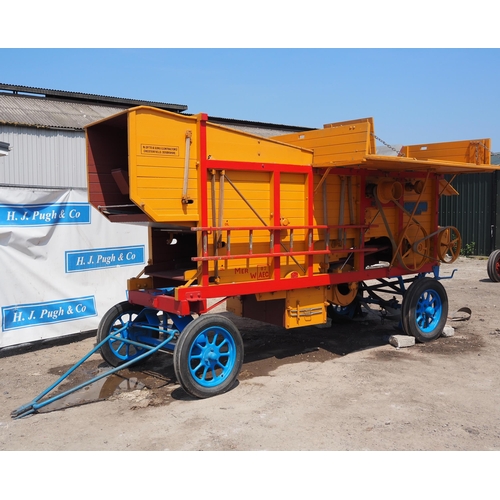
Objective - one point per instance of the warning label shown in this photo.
(151, 149)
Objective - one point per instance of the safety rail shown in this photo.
(275, 231)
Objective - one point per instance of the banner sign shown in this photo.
(83, 260)
(46, 214)
(56, 311)
(64, 265)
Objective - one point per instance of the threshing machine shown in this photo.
(286, 230)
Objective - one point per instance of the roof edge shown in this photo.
(87, 98)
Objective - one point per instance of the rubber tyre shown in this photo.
(424, 311)
(208, 356)
(114, 352)
(494, 266)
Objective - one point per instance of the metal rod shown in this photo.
(268, 228)
(447, 184)
(325, 221)
(350, 200)
(323, 178)
(245, 200)
(34, 405)
(186, 166)
(214, 222)
(221, 205)
(342, 202)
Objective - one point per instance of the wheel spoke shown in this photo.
(220, 364)
(198, 366)
(119, 347)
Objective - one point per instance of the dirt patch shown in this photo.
(343, 387)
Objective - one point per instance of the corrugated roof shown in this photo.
(58, 114)
(46, 108)
(45, 113)
(104, 100)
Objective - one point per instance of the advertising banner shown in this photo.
(63, 264)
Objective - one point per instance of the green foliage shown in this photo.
(468, 249)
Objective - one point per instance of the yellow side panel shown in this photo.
(376, 222)
(474, 151)
(236, 212)
(157, 151)
(305, 307)
(234, 305)
(336, 142)
(293, 200)
(249, 270)
(262, 297)
(228, 144)
(334, 196)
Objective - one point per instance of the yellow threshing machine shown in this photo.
(285, 229)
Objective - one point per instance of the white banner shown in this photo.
(63, 264)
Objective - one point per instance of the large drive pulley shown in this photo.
(414, 247)
(449, 244)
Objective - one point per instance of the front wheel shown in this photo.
(425, 310)
(208, 356)
(494, 266)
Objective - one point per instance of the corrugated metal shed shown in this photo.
(45, 130)
(4, 148)
(476, 211)
(57, 109)
(36, 107)
(41, 157)
(41, 113)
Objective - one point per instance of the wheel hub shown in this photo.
(429, 311)
(210, 356)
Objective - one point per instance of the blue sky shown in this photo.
(415, 95)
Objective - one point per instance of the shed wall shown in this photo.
(43, 158)
(476, 211)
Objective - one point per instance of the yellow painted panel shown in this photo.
(228, 144)
(234, 305)
(245, 270)
(405, 164)
(305, 307)
(157, 149)
(343, 142)
(261, 297)
(474, 151)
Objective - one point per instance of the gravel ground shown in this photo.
(316, 389)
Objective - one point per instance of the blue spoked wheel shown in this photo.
(125, 319)
(208, 356)
(425, 309)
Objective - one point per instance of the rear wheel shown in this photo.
(123, 320)
(494, 266)
(208, 356)
(425, 310)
